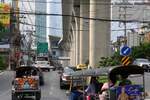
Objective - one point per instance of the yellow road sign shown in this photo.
(125, 60)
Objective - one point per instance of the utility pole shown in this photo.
(15, 39)
(123, 9)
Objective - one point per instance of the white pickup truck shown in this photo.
(44, 65)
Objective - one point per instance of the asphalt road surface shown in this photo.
(50, 91)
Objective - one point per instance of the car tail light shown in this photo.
(66, 77)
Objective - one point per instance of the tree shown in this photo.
(2, 63)
(1, 30)
(142, 51)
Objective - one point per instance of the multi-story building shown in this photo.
(40, 21)
(147, 37)
(27, 22)
(55, 51)
(133, 39)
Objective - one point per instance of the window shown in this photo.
(54, 52)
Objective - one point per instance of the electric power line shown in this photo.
(88, 18)
(138, 2)
(73, 30)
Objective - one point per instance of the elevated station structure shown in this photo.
(86, 36)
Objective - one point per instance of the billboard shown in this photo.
(4, 14)
(4, 22)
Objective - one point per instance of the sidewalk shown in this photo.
(1, 72)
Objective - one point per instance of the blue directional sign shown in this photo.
(125, 51)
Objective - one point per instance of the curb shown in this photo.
(1, 72)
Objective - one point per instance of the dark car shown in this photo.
(26, 83)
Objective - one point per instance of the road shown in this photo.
(50, 91)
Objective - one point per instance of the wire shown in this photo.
(98, 3)
(88, 18)
(73, 30)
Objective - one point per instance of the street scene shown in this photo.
(74, 49)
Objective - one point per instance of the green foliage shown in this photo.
(4, 30)
(142, 51)
(2, 63)
(110, 61)
(103, 79)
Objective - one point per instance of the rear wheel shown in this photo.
(14, 96)
(48, 70)
(61, 84)
(38, 96)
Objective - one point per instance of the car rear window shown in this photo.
(26, 71)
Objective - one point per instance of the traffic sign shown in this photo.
(125, 51)
(42, 47)
(125, 61)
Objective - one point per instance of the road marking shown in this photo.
(51, 90)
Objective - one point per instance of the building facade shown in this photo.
(133, 39)
(40, 21)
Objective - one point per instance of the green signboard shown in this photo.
(42, 47)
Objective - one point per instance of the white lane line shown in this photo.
(51, 90)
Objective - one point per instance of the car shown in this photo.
(26, 83)
(65, 77)
(44, 65)
(145, 63)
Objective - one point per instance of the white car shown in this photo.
(44, 65)
(145, 63)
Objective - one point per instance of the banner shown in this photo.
(4, 14)
(130, 92)
(4, 23)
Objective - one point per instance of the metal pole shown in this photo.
(144, 85)
(125, 25)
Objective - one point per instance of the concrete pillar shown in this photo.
(99, 31)
(76, 34)
(84, 35)
(73, 48)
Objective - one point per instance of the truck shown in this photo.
(26, 82)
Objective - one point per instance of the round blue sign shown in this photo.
(125, 51)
